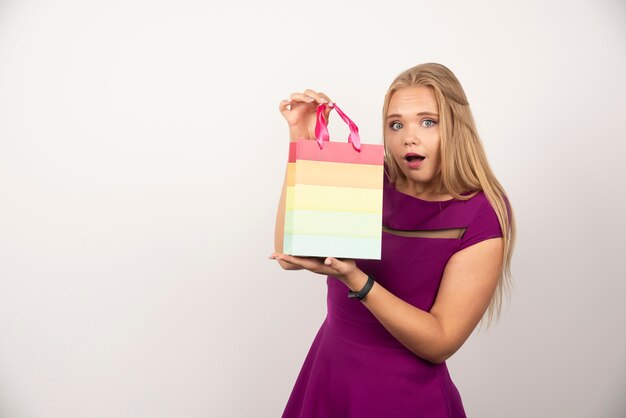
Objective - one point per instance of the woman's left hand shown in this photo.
(343, 269)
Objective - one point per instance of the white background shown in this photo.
(141, 159)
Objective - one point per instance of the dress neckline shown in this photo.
(393, 187)
(423, 200)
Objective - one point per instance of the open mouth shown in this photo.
(413, 157)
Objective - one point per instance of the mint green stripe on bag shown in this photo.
(330, 223)
(340, 247)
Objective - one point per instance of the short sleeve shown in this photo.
(483, 226)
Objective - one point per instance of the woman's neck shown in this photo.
(432, 191)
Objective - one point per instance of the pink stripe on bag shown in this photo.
(337, 152)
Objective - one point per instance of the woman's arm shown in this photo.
(300, 111)
(468, 284)
(280, 218)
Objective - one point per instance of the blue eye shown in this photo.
(427, 123)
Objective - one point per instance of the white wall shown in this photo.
(141, 156)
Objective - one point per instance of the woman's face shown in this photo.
(412, 132)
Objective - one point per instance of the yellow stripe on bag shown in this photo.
(289, 198)
(323, 173)
(340, 199)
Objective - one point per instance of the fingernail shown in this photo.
(327, 262)
(310, 99)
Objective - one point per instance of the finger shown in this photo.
(304, 262)
(288, 266)
(281, 259)
(325, 97)
(284, 105)
(276, 255)
(290, 259)
(318, 96)
(302, 97)
(334, 263)
(339, 265)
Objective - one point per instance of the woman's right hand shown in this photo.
(300, 111)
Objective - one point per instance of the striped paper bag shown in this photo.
(334, 195)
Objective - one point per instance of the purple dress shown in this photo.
(355, 367)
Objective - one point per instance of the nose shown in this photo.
(410, 140)
(411, 135)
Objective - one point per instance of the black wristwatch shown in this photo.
(363, 292)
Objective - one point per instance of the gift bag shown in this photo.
(334, 195)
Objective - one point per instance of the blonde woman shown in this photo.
(448, 234)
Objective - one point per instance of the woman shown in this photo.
(448, 234)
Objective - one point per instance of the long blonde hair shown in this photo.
(464, 165)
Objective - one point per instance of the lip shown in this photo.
(412, 154)
(416, 163)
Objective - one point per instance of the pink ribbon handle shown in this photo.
(321, 127)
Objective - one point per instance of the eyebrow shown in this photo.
(397, 115)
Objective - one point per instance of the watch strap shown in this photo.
(364, 291)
